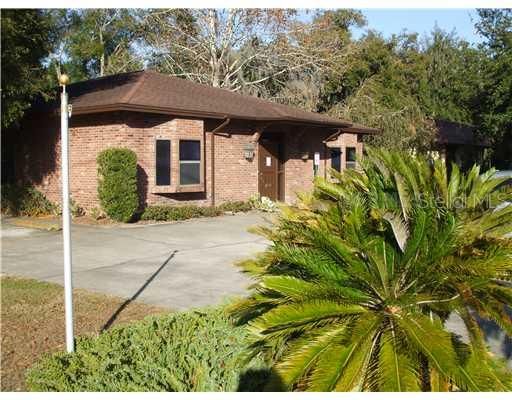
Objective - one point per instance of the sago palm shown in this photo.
(361, 274)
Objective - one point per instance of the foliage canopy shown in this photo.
(27, 37)
(398, 84)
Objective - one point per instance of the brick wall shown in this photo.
(142, 131)
(300, 147)
(299, 173)
(36, 161)
(38, 158)
(347, 140)
(236, 178)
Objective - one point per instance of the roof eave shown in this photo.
(461, 143)
(361, 130)
(201, 114)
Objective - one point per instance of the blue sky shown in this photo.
(422, 21)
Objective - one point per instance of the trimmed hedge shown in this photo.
(193, 351)
(25, 201)
(236, 206)
(170, 213)
(117, 184)
(173, 213)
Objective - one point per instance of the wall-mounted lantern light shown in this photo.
(249, 149)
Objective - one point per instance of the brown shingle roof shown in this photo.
(449, 132)
(154, 92)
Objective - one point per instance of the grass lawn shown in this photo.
(32, 322)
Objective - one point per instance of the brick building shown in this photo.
(194, 143)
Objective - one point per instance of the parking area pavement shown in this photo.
(177, 265)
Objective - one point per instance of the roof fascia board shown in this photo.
(161, 110)
(367, 131)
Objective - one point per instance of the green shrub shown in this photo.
(155, 213)
(209, 211)
(25, 201)
(193, 351)
(236, 206)
(171, 213)
(178, 213)
(117, 186)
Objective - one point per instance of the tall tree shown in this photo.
(494, 115)
(27, 39)
(249, 50)
(380, 89)
(98, 42)
(327, 38)
(205, 45)
(453, 77)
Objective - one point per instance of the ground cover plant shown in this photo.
(32, 315)
(361, 274)
(25, 201)
(192, 351)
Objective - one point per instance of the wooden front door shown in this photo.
(268, 184)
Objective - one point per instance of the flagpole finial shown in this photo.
(63, 80)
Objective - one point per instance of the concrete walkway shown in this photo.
(178, 265)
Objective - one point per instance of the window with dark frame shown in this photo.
(336, 158)
(163, 162)
(350, 161)
(190, 162)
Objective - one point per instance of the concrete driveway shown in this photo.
(182, 265)
(179, 265)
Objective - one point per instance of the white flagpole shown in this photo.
(66, 223)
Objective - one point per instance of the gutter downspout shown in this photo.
(212, 171)
(330, 138)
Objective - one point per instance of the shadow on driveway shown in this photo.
(112, 319)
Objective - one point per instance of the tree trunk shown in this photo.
(102, 57)
(214, 61)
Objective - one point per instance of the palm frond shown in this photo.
(400, 228)
(435, 343)
(303, 354)
(343, 368)
(397, 372)
(296, 315)
(453, 191)
(313, 261)
(295, 289)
